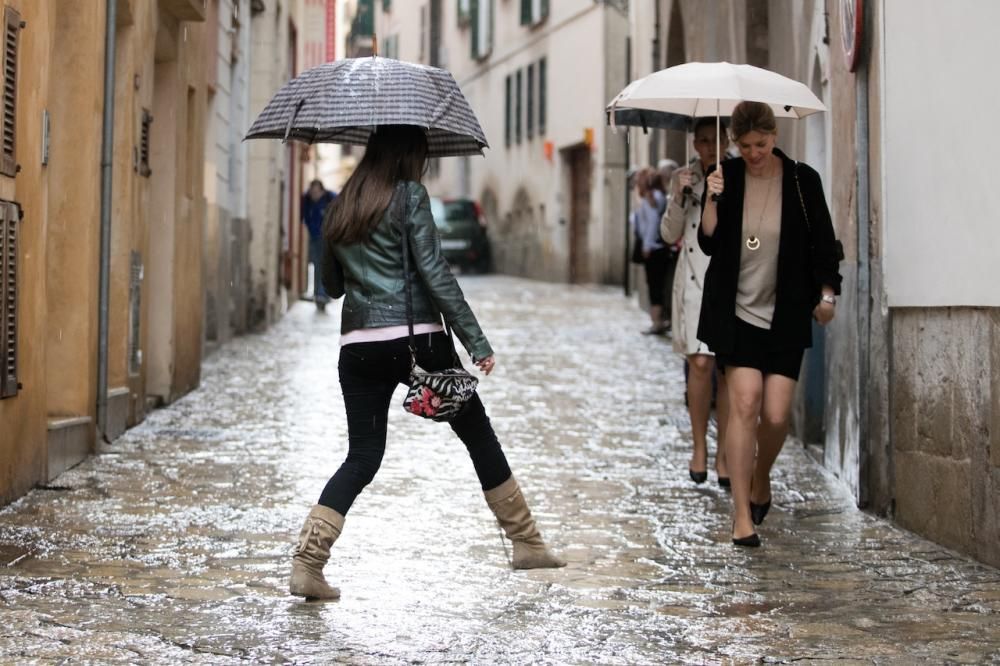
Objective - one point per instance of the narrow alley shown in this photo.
(174, 545)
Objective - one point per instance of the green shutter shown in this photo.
(541, 96)
(507, 113)
(545, 10)
(474, 19)
(526, 12)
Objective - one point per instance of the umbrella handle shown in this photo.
(716, 197)
(291, 119)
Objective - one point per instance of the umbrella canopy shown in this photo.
(715, 88)
(648, 119)
(345, 100)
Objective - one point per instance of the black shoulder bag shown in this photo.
(838, 247)
(438, 395)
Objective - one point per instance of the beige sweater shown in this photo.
(759, 268)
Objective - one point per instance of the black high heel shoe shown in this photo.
(698, 477)
(759, 511)
(724, 482)
(752, 541)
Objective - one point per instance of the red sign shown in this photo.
(852, 14)
(331, 30)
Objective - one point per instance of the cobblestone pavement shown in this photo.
(174, 547)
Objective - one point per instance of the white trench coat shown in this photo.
(680, 221)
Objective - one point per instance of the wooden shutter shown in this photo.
(9, 219)
(147, 120)
(508, 115)
(8, 133)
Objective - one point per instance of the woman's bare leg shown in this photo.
(775, 413)
(722, 421)
(699, 393)
(746, 387)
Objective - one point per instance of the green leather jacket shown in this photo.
(370, 277)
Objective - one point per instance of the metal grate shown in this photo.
(135, 314)
(8, 133)
(9, 219)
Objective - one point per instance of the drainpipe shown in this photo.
(107, 154)
(864, 266)
(628, 191)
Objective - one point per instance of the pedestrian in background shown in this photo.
(680, 225)
(314, 204)
(655, 255)
(364, 263)
(774, 266)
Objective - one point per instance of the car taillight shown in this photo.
(479, 214)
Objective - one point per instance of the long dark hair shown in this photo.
(394, 153)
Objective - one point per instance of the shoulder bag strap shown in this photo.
(805, 214)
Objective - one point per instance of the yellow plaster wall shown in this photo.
(22, 419)
(74, 209)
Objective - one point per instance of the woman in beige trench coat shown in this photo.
(680, 222)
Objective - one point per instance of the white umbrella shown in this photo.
(697, 89)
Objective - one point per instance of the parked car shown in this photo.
(462, 228)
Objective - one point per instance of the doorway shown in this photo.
(579, 162)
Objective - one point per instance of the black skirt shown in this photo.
(754, 348)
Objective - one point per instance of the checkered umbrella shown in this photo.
(345, 100)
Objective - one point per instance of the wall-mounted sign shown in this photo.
(852, 16)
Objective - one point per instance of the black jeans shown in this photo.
(657, 267)
(369, 373)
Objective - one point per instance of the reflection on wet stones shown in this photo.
(175, 548)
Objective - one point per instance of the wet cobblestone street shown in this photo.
(174, 547)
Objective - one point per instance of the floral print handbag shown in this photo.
(438, 395)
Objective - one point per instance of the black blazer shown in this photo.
(808, 258)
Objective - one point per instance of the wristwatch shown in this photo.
(829, 298)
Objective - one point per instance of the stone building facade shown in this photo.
(552, 182)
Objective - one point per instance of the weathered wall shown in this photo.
(268, 178)
(23, 436)
(74, 210)
(946, 452)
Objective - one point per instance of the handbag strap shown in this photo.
(400, 207)
(802, 201)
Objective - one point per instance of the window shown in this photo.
(481, 18)
(10, 216)
(530, 109)
(11, 33)
(423, 34)
(517, 108)
(142, 165)
(434, 47)
(386, 5)
(134, 314)
(534, 12)
(390, 47)
(541, 96)
(508, 116)
(464, 11)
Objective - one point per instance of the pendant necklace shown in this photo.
(753, 242)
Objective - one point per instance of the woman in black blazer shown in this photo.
(773, 268)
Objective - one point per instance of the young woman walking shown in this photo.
(774, 268)
(364, 263)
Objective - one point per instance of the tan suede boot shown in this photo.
(508, 505)
(322, 528)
